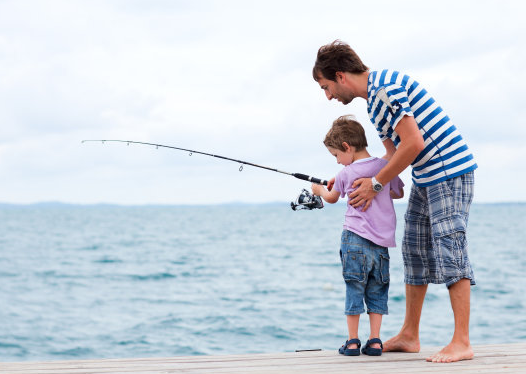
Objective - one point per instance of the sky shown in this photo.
(234, 78)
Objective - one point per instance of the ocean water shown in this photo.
(80, 282)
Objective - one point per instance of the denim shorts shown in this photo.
(434, 247)
(366, 274)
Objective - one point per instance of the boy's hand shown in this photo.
(330, 183)
(317, 189)
(329, 196)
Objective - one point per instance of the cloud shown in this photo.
(232, 78)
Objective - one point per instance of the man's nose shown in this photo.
(329, 96)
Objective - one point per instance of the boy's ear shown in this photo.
(346, 146)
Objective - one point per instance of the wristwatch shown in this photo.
(377, 186)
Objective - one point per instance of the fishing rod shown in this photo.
(295, 175)
(305, 199)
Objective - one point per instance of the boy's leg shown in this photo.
(352, 326)
(353, 263)
(377, 289)
(375, 322)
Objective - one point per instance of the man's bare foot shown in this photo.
(401, 343)
(452, 353)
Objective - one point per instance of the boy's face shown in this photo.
(343, 157)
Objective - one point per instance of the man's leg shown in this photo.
(408, 339)
(449, 220)
(459, 348)
(417, 240)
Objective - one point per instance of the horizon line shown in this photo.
(232, 203)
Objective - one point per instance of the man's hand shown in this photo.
(363, 195)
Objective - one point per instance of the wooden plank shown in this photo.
(502, 358)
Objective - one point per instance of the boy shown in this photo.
(366, 235)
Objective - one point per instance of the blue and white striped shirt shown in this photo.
(391, 96)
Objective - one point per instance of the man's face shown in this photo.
(336, 90)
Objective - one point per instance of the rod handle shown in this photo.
(310, 179)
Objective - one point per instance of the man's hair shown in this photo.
(334, 57)
(346, 129)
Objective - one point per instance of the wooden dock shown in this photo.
(502, 358)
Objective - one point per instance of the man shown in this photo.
(415, 131)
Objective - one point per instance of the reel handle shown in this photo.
(309, 179)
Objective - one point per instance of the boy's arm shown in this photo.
(397, 188)
(329, 196)
(390, 149)
(398, 195)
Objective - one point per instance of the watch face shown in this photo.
(377, 187)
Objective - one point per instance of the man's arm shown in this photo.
(411, 144)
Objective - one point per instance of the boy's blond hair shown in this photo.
(346, 129)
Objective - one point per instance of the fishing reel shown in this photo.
(307, 200)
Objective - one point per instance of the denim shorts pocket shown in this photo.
(384, 268)
(353, 263)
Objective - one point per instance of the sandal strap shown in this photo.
(353, 341)
(375, 340)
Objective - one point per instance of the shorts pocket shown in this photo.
(448, 226)
(384, 268)
(353, 263)
(453, 253)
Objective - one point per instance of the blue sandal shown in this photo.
(368, 350)
(350, 352)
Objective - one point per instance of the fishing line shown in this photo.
(190, 152)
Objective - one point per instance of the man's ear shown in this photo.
(340, 77)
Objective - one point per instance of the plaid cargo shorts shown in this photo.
(434, 247)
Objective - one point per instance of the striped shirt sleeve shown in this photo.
(397, 102)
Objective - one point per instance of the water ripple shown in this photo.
(102, 282)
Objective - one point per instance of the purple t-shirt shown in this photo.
(378, 222)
